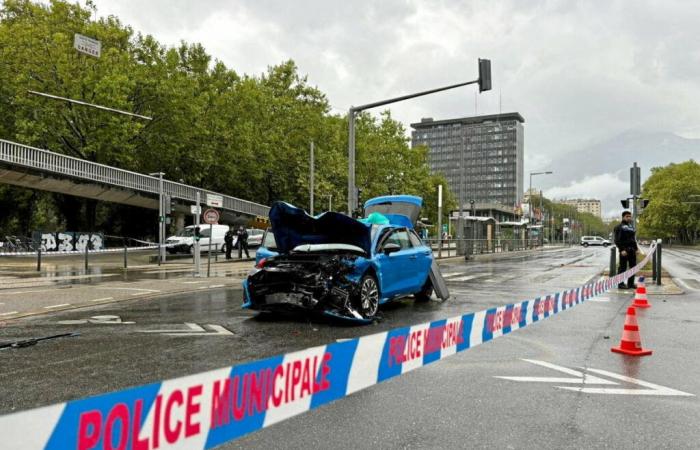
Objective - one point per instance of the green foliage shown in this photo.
(670, 213)
(247, 136)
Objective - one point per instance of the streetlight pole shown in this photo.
(311, 180)
(161, 219)
(529, 196)
(484, 82)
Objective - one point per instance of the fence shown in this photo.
(465, 247)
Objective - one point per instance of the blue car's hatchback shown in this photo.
(341, 266)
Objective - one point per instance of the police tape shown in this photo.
(207, 409)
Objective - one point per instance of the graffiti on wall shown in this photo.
(68, 241)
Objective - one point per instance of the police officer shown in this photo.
(626, 242)
(242, 242)
(228, 240)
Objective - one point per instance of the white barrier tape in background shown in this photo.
(208, 409)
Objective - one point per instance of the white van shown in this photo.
(183, 242)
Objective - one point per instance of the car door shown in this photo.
(421, 262)
(395, 268)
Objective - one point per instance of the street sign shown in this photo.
(210, 216)
(87, 45)
(195, 210)
(215, 201)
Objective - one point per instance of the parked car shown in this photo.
(340, 266)
(268, 246)
(594, 240)
(183, 242)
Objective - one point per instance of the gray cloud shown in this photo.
(579, 72)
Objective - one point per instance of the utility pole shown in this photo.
(635, 190)
(311, 180)
(460, 219)
(161, 217)
(439, 230)
(196, 240)
(484, 82)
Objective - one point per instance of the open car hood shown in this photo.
(292, 227)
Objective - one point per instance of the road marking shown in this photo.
(581, 378)
(128, 289)
(27, 292)
(194, 330)
(193, 282)
(102, 299)
(469, 277)
(599, 299)
(8, 313)
(57, 306)
(100, 320)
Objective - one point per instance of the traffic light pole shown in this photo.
(196, 239)
(484, 82)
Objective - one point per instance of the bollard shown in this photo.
(209, 256)
(86, 257)
(653, 268)
(38, 259)
(613, 260)
(216, 252)
(125, 259)
(658, 262)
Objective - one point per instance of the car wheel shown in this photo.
(425, 292)
(606, 244)
(368, 301)
(585, 244)
(191, 250)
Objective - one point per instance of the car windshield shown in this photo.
(269, 241)
(186, 232)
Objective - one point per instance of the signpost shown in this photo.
(210, 216)
(196, 208)
(87, 45)
(215, 201)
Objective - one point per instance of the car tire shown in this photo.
(367, 303)
(425, 292)
(585, 244)
(606, 244)
(191, 250)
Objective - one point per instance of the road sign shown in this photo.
(195, 210)
(87, 45)
(215, 201)
(210, 216)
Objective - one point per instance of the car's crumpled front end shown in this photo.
(318, 267)
(325, 281)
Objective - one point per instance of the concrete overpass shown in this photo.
(34, 168)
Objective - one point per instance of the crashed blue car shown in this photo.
(344, 267)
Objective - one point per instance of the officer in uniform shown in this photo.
(626, 242)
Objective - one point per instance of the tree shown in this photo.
(670, 214)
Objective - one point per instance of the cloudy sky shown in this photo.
(580, 72)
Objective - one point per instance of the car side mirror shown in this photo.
(391, 248)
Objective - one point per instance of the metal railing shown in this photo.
(466, 247)
(68, 166)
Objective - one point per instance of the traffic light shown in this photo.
(484, 75)
(197, 234)
(167, 204)
(625, 203)
(643, 203)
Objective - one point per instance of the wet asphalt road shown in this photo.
(455, 403)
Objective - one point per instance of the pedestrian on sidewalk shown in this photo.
(626, 242)
(242, 242)
(228, 240)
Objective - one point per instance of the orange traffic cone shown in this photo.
(631, 343)
(640, 295)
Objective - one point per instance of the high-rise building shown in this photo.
(585, 205)
(484, 153)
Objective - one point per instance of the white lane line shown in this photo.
(27, 292)
(102, 299)
(193, 282)
(128, 289)
(8, 313)
(57, 306)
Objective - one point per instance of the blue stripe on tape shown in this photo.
(239, 402)
(467, 323)
(342, 355)
(535, 309)
(91, 419)
(487, 332)
(433, 341)
(393, 351)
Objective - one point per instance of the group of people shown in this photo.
(241, 238)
